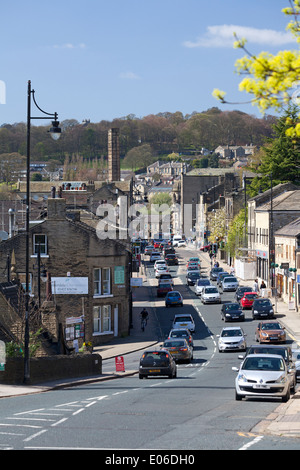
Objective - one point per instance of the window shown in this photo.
(39, 240)
(102, 319)
(102, 284)
(106, 281)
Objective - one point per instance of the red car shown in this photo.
(205, 248)
(248, 299)
(163, 289)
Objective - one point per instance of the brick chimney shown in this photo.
(113, 155)
(56, 208)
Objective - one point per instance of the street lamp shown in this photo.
(55, 133)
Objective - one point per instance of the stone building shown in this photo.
(90, 276)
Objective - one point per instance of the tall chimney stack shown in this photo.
(113, 155)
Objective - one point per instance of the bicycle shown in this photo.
(143, 323)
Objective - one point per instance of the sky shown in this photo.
(106, 59)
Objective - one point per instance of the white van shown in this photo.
(176, 239)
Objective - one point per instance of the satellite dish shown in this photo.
(3, 235)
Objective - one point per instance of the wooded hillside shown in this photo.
(164, 132)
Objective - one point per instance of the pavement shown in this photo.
(284, 421)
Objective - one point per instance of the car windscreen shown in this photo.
(211, 290)
(230, 279)
(263, 363)
(182, 319)
(203, 282)
(174, 344)
(251, 296)
(268, 350)
(231, 307)
(179, 334)
(262, 303)
(271, 326)
(230, 333)
(155, 358)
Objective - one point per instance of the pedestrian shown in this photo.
(232, 270)
(262, 288)
(255, 287)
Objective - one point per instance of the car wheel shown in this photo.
(238, 397)
(286, 396)
(141, 376)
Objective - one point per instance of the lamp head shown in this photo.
(55, 130)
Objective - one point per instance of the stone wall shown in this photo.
(46, 369)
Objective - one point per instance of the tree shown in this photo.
(280, 157)
(235, 233)
(271, 78)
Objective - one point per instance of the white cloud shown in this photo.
(69, 45)
(129, 76)
(222, 36)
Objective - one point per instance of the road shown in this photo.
(195, 411)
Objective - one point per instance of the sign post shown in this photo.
(120, 366)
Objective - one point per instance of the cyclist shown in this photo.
(144, 318)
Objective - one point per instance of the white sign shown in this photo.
(69, 285)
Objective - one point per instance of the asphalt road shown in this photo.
(195, 411)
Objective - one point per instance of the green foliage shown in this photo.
(235, 233)
(280, 157)
(17, 349)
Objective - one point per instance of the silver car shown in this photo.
(232, 338)
(210, 294)
(229, 284)
(262, 375)
(201, 283)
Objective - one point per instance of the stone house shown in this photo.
(287, 262)
(285, 209)
(90, 276)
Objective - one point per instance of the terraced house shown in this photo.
(87, 293)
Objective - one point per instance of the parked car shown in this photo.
(296, 359)
(229, 284)
(182, 333)
(192, 277)
(262, 375)
(171, 259)
(262, 308)
(184, 320)
(210, 294)
(270, 332)
(240, 292)
(163, 289)
(248, 299)
(232, 311)
(232, 338)
(179, 349)
(283, 350)
(214, 273)
(201, 283)
(181, 243)
(154, 363)
(155, 255)
(175, 240)
(174, 298)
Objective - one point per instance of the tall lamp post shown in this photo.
(55, 132)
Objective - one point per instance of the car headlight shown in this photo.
(242, 378)
(282, 379)
(264, 334)
(255, 311)
(271, 311)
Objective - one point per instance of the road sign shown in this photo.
(120, 366)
